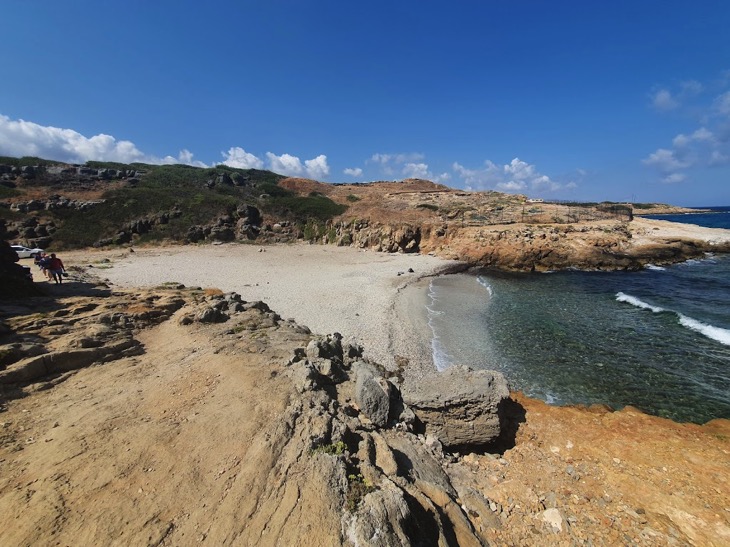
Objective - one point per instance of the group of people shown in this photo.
(51, 266)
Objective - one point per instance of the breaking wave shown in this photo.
(710, 331)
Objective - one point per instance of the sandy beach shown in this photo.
(368, 297)
(371, 298)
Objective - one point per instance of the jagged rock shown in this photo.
(195, 234)
(329, 347)
(211, 315)
(381, 519)
(460, 406)
(222, 233)
(15, 352)
(304, 376)
(372, 394)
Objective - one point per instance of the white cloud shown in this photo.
(317, 168)
(416, 170)
(397, 159)
(664, 160)
(394, 165)
(519, 170)
(511, 186)
(489, 175)
(23, 138)
(292, 166)
(285, 164)
(718, 158)
(353, 172)
(722, 104)
(663, 100)
(238, 157)
(516, 176)
(185, 157)
(691, 87)
(701, 135)
(708, 145)
(674, 178)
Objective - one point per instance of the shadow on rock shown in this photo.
(512, 415)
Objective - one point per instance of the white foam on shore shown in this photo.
(484, 283)
(441, 358)
(655, 268)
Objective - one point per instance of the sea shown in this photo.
(656, 339)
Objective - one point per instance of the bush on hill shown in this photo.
(198, 196)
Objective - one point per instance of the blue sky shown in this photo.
(574, 100)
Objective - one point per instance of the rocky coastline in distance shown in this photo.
(220, 421)
(50, 205)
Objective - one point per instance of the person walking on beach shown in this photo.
(56, 268)
(44, 264)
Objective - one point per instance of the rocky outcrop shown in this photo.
(398, 492)
(53, 203)
(81, 334)
(31, 231)
(383, 237)
(461, 407)
(588, 246)
(15, 280)
(66, 171)
(243, 223)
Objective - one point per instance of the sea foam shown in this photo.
(715, 333)
(484, 283)
(441, 358)
(710, 331)
(622, 297)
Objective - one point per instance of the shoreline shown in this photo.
(369, 297)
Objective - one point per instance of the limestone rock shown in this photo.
(372, 395)
(460, 406)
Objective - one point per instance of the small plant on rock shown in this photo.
(359, 488)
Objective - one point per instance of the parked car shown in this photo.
(25, 252)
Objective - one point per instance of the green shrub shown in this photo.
(358, 489)
(6, 192)
(335, 449)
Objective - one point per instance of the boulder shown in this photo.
(372, 394)
(460, 406)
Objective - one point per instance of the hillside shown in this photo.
(50, 205)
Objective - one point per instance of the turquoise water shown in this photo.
(658, 339)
